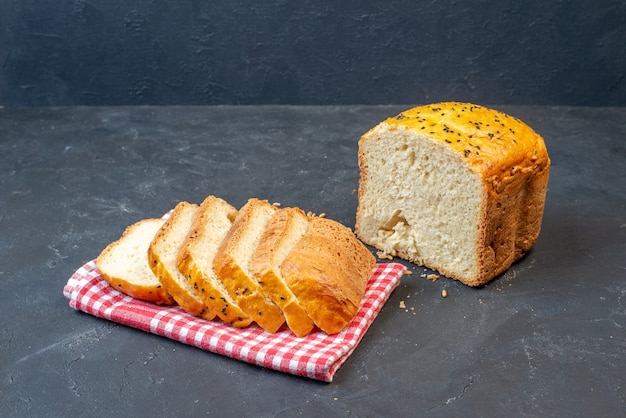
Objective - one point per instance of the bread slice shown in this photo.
(124, 264)
(328, 270)
(453, 186)
(232, 264)
(162, 256)
(283, 232)
(195, 259)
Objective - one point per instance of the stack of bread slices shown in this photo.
(261, 264)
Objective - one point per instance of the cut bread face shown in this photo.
(330, 295)
(285, 229)
(232, 264)
(124, 264)
(420, 201)
(163, 254)
(195, 259)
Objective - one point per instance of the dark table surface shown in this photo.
(547, 338)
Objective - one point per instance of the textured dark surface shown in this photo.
(153, 52)
(547, 338)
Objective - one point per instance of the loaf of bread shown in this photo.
(163, 257)
(456, 187)
(124, 264)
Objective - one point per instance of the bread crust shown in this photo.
(286, 227)
(147, 286)
(328, 270)
(510, 159)
(162, 255)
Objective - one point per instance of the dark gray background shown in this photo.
(114, 52)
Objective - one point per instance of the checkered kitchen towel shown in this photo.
(317, 356)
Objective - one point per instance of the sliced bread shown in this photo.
(328, 270)
(283, 232)
(162, 256)
(195, 259)
(124, 264)
(232, 264)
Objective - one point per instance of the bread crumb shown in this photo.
(444, 293)
(432, 277)
(383, 255)
(402, 305)
(407, 272)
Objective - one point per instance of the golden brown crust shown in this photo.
(233, 270)
(328, 271)
(284, 230)
(512, 221)
(491, 142)
(154, 294)
(146, 287)
(163, 245)
(204, 238)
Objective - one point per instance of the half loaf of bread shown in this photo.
(456, 187)
(163, 255)
(124, 264)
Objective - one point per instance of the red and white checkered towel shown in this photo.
(317, 356)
